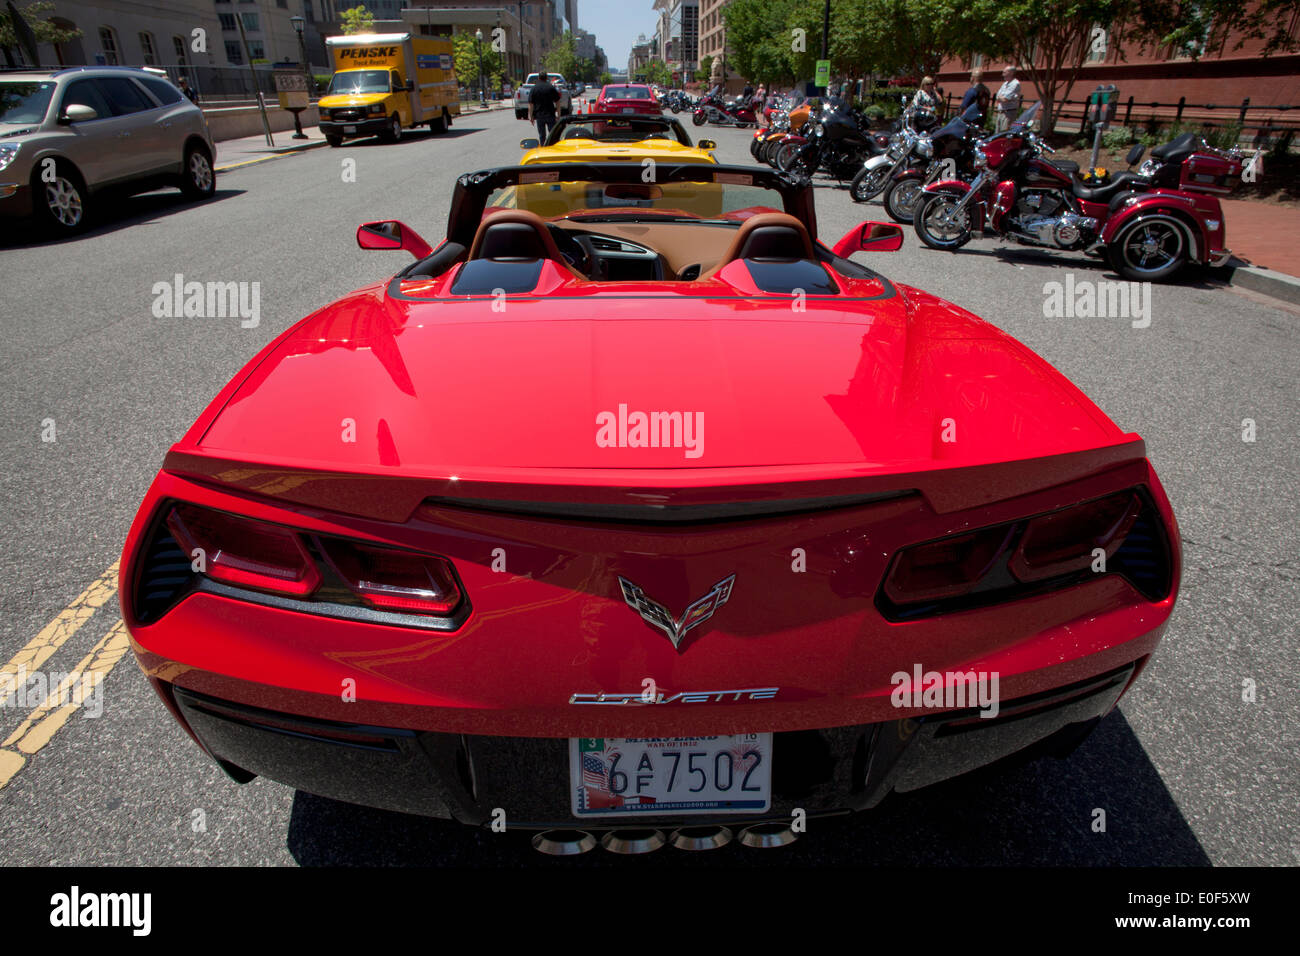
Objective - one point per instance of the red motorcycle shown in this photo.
(715, 110)
(1149, 224)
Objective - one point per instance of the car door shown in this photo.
(175, 119)
(143, 142)
(95, 146)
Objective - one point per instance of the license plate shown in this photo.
(349, 129)
(616, 776)
(629, 109)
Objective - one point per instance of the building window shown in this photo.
(227, 21)
(147, 49)
(282, 4)
(233, 53)
(256, 50)
(108, 40)
(250, 22)
(178, 46)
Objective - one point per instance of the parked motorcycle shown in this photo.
(879, 169)
(839, 142)
(947, 152)
(1148, 224)
(719, 112)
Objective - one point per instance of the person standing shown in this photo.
(189, 93)
(977, 95)
(926, 100)
(542, 104)
(1008, 99)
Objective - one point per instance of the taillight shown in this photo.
(946, 568)
(244, 553)
(320, 571)
(392, 580)
(1010, 560)
(1066, 541)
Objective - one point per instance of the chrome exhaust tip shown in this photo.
(633, 841)
(563, 842)
(700, 838)
(764, 835)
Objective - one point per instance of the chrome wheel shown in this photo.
(940, 224)
(901, 200)
(200, 172)
(63, 200)
(869, 182)
(1150, 250)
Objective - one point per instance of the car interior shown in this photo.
(511, 244)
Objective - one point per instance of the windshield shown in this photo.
(628, 93)
(24, 102)
(358, 81)
(730, 198)
(1027, 117)
(620, 130)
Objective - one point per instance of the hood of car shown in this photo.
(631, 380)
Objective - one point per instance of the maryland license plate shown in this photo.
(626, 776)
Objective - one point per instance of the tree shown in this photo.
(465, 50)
(358, 20)
(762, 48)
(656, 71)
(1187, 25)
(706, 67)
(1048, 40)
(45, 30)
(563, 56)
(606, 78)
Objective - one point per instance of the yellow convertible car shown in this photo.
(604, 138)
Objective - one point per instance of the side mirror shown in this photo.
(77, 113)
(707, 144)
(870, 237)
(391, 234)
(410, 86)
(529, 144)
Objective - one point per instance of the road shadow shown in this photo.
(1039, 813)
(113, 212)
(1192, 275)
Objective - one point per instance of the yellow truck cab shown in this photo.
(386, 82)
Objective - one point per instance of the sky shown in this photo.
(616, 24)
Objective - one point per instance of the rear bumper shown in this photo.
(465, 777)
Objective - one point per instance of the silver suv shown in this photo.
(67, 135)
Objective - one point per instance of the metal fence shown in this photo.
(226, 84)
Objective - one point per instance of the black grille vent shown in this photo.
(165, 575)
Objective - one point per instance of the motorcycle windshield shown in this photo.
(1027, 116)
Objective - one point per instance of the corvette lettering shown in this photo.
(682, 697)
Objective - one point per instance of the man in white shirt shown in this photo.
(1008, 99)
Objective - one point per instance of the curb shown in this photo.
(276, 154)
(1277, 285)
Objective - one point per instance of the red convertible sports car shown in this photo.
(635, 513)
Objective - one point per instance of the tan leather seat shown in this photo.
(769, 235)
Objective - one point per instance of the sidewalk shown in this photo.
(234, 153)
(1265, 242)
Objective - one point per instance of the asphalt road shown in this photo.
(1187, 771)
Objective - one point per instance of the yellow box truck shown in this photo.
(386, 82)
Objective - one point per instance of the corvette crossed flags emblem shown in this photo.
(659, 616)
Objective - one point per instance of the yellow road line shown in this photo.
(55, 634)
(45, 721)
